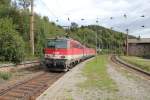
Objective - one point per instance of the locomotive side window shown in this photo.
(59, 43)
(76, 45)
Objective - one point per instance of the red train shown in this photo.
(61, 54)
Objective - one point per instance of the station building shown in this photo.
(139, 47)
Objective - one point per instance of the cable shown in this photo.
(52, 13)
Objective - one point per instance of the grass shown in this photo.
(5, 75)
(138, 61)
(97, 76)
(4, 62)
(30, 58)
(69, 98)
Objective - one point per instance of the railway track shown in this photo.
(30, 89)
(130, 67)
(25, 63)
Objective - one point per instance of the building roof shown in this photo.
(141, 40)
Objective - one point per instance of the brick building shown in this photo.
(139, 47)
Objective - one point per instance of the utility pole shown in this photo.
(96, 43)
(96, 37)
(127, 30)
(127, 46)
(84, 52)
(32, 28)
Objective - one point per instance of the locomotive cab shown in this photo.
(55, 54)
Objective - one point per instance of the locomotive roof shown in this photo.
(64, 38)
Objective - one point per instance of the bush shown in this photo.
(11, 44)
(5, 75)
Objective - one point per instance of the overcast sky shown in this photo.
(90, 10)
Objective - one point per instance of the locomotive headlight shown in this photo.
(46, 56)
(62, 56)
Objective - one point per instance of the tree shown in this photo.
(11, 44)
(24, 3)
(74, 26)
(45, 18)
(5, 2)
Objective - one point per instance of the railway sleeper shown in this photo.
(6, 98)
(16, 95)
(21, 91)
(40, 84)
(23, 88)
(30, 87)
(34, 86)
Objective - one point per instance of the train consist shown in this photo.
(61, 54)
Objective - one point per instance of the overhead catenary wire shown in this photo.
(48, 9)
(57, 18)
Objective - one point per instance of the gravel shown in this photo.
(67, 88)
(21, 75)
(130, 88)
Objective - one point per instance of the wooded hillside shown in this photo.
(15, 37)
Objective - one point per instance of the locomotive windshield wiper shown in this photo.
(51, 47)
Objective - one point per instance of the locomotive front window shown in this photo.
(57, 44)
(51, 44)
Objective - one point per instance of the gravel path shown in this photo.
(67, 88)
(130, 88)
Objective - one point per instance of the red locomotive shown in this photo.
(61, 54)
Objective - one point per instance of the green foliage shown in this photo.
(73, 26)
(44, 30)
(5, 2)
(108, 41)
(15, 32)
(24, 3)
(11, 44)
(18, 30)
(84, 35)
(5, 75)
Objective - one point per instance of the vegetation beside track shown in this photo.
(97, 76)
(138, 62)
(5, 75)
